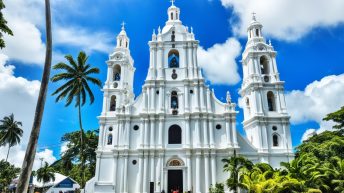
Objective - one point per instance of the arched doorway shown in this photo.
(175, 175)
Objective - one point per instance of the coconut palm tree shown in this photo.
(45, 174)
(10, 132)
(29, 158)
(3, 26)
(236, 166)
(77, 77)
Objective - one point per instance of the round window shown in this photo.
(218, 126)
(191, 91)
(274, 128)
(134, 162)
(136, 127)
(115, 85)
(110, 129)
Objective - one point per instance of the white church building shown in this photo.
(176, 132)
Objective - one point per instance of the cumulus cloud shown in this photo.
(219, 64)
(317, 100)
(286, 19)
(83, 38)
(19, 96)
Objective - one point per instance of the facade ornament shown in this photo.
(228, 98)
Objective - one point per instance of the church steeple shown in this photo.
(254, 30)
(122, 38)
(173, 13)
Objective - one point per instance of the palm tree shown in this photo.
(235, 165)
(10, 132)
(3, 26)
(77, 76)
(29, 158)
(45, 174)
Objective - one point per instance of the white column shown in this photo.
(115, 169)
(186, 98)
(140, 175)
(97, 168)
(142, 133)
(152, 133)
(211, 131)
(205, 133)
(161, 102)
(146, 143)
(121, 133)
(213, 168)
(198, 172)
(188, 159)
(196, 95)
(144, 99)
(127, 133)
(145, 172)
(206, 171)
(228, 132)
(152, 99)
(101, 133)
(190, 63)
(152, 168)
(157, 175)
(202, 99)
(163, 99)
(198, 134)
(187, 131)
(160, 135)
(159, 62)
(209, 109)
(234, 131)
(105, 101)
(194, 55)
(125, 176)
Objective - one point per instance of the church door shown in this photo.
(175, 181)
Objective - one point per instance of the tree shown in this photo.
(3, 26)
(7, 173)
(77, 76)
(337, 117)
(45, 174)
(10, 132)
(217, 188)
(29, 158)
(236, 166)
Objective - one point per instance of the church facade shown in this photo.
(176, 132)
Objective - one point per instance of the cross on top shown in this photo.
(254, 16)
(123, 25)
(172, 1)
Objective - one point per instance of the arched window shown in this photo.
(257, 32)
(117, 73)
(109, 139)
(171, 16)
(264, 65)
(120, 43)
(247, 102)
(271, 101)
(275, 141)
(174, 135)
(113, 103)
(174, 100)
(173, 59)
(173, 37)
(126, 44)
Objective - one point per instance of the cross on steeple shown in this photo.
(172, 1)
(123, 25)
(254, 16)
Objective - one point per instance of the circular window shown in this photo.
(136, 127)
(115, 85)
(157, 92)
(218, 126)
(274, 128)
(266, 79)
(191, 91)
(110, 129)
(134, 162)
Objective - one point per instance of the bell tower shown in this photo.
(118, 89)
(266, 120)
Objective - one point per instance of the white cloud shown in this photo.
(219, 64)
(19, 96)
(286, 19)
(82, 38)
(317, 100)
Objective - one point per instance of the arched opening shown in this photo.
(174, 135)
(177, 16)
(247, 102)
(109, 139)
(275, 141)
(117, 73)
(120, 43)
(113, 103)
(271, 101)
(174, 100)
(171, 16)
(257, 32)
(173, 37)
(264, 65)
(126, 44)
(173, 59)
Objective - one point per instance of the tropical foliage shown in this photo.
(3, 26)
(217, 188)
(77, 76)
(45, 174)
(10, 132)
(70, 162)
(318, 166)
(7, 173)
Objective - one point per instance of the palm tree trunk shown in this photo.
(29, 158)
(8, 151)
(81, 145)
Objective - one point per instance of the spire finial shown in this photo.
(172, 1)
(123, 25)
(254, 16)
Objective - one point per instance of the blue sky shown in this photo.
(310, 55)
